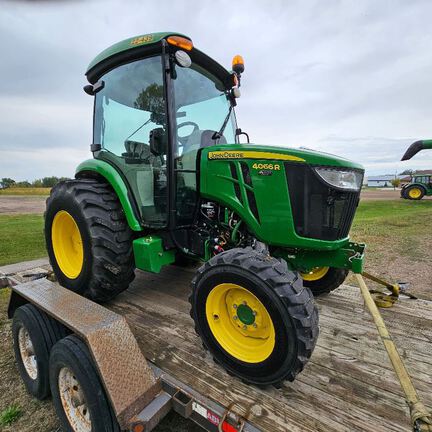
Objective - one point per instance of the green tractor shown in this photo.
(170, 182)
(420, 185)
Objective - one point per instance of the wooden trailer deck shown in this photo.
(348, 385)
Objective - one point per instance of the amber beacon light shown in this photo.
(180, 42)
(238, 64)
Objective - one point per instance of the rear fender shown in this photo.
(95, 168)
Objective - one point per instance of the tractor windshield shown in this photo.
(202, 107)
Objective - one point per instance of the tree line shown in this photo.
(46, 182)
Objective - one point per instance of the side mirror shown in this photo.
(158, 141)
(183, 59)
(92, 89)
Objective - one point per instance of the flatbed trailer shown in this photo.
(349, 384)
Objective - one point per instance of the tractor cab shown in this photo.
(157, 104)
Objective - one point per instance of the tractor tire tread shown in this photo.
(298, 301)
(113, 266)
(332, 280)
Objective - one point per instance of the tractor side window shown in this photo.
(130, 124)
(202, 107)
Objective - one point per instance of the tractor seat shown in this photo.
(136, 152)
(207, 139)
(201, 139)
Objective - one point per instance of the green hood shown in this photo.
(308, 156)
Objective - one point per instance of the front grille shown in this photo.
(319, 210)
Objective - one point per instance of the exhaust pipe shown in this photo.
(415, 147)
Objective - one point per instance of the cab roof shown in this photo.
(144, 45)
(129, 44)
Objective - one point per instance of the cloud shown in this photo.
(350, 78)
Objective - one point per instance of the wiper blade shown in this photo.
(218, 135)
(136, 130)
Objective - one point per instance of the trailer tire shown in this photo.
(272, 303)
(78, 395)
(34, 334)
(332, 279)
(88, 239)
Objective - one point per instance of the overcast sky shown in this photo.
(347, 77)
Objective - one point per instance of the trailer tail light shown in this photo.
(226, 427)
(215, 419)
(180, 42)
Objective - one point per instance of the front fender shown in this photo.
(110, 174)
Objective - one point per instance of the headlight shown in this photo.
(341, 179)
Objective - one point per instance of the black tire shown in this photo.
(329, 282)
(410, 188)
(108, 265)
(43, 332)
(403, 193)
(290, 306)
(72, 355)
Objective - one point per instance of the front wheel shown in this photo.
(254, 316)
(322, 280)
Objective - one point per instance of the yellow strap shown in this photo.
(421, 419)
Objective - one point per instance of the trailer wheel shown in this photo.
(414, 192)
(34, 334)
(322, 280)
(79, 398)
(254, 316)
(88, 240)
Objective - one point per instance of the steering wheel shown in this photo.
(183, 140)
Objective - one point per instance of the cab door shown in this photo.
(130, 114)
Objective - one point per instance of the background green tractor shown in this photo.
(420, 185)
(170, 181)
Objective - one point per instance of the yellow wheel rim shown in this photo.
(67, 244)
(240, 323)
(315, 274)
(414, 193)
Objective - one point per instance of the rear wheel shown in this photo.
(322, 280)
(88, 239)
(414, 192)
(254, 316)
(79, 398)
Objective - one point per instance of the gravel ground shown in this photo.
(383, 194)
(16, 204)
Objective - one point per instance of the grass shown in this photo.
(21, 238)
(25, 191)
(10, 415)
(398, 235)
(402, 226)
